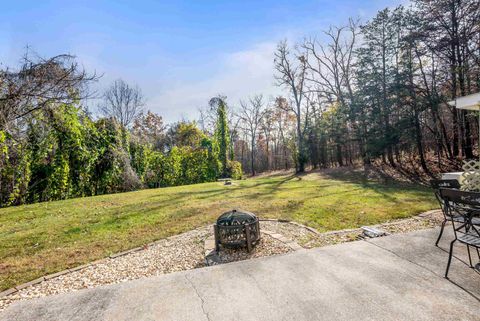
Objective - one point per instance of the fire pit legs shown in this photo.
(248, 238)
(215, 232)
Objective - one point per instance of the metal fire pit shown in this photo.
(237, 228)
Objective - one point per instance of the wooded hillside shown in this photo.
(375, 90)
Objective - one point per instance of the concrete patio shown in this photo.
(397, 277)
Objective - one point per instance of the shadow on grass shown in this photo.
(355, 176)
(182, 204)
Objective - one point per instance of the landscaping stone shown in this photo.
(372, 232)
(290, 243)
(80, 267)
(28, 284)
(126, 252)
(209, 246)
(267, 246)
(8, 292)
(54, 275)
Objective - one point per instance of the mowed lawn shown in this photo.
(44, 238)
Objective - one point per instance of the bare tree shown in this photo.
(233, 128)
(291, 72)
(285, 125)
(150, 128)
(123, 102)
(268, 126)
(330, 66)
(331, 71)
(41, 83)
(207, 118)
(251, 115)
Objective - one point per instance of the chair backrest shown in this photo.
(460, 197)
(444, 183)
(462, 203)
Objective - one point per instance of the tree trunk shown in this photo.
(300, 154)
(339, 155)
(467, 147)
(418, 138)
(253, 156)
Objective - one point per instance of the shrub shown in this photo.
(234, 170)
(128, 179)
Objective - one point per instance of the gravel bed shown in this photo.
(416, 223)
(267, 246)
(309, 239)
(410, 225)
(325, 239)
(291, 231)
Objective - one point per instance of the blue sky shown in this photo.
(180, 53)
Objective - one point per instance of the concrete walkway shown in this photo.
(397, 277)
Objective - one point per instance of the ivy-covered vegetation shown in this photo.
(66, 154)
(52, 149)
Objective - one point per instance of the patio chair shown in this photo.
(436, 185)
(467, 205)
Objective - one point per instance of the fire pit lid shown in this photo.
(236, 217)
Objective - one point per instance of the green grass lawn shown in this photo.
(43, 238)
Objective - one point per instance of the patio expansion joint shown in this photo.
(199, 296)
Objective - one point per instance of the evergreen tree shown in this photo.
(222, 136)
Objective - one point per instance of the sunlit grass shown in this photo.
(43, 238)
